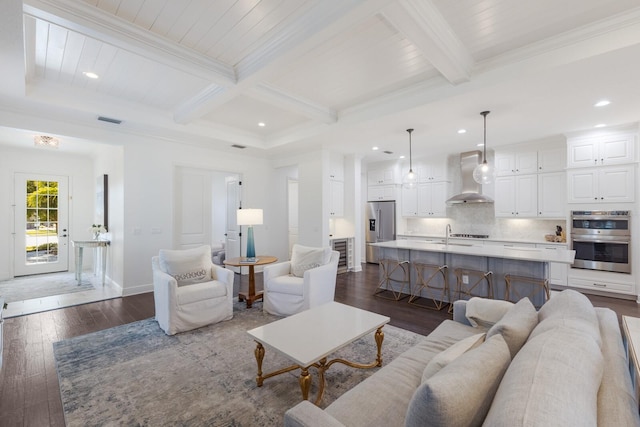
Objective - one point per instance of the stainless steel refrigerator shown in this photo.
(380, 226)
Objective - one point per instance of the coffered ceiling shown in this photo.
(345, 74)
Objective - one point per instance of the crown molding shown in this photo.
(92, 22)
(424, 26)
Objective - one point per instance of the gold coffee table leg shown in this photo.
(259, 353)
(379, 338)
(305, 383)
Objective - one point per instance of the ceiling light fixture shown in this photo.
(262, 124)
(600, 125)
(374, 148)
(90, 75)
(410, 179)
(46, 141)
(461, 131)
(602, 103)
(484, 172)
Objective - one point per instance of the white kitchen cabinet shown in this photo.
(382, 176)
(336, 207)
(381, 192)
(432, 171)
(336, 167)
(600, 282)
(552, 159)
(410, 202)
(512, 163)
(601, 151)
(552, 195)
(516, 196)
(558, 273)
(615, 184)
(432, 198)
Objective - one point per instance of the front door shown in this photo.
(41, 242)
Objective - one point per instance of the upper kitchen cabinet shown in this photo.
(385, 176)
(378, 193)
(601, 150)
(432, 198)
(409, 202)
(431, 171)
(516, 196)
(552, 159)
(336, 167)
(614, 184)
(552, 195)
(515, 163)
(336, 200)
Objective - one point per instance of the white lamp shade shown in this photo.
(249, 216)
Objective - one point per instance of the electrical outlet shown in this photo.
(465, 279)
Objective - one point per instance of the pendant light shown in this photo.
(410, 179)
(484, 173)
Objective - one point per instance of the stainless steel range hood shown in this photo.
(471, 190)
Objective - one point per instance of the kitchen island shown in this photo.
(517, 261)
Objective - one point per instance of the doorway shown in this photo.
(41, 222)
(292, 210)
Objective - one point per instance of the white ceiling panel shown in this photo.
(245, 113)
(369, 57)
(491, 27)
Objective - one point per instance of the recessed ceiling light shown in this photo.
(374, 148)
(91, 75)
(262, 124)
(462, 131)
(600, 125)
(402, 157)
(602, 103)
(480, 145)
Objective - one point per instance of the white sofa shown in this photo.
(308, 280)
(562, 366)
(189, 290)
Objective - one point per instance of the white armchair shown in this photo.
(189, 290)
(308, 280)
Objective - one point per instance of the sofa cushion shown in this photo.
(553, 380)
(569, 309)
(447, 356)
(516, 325)
(486, 312)
(616, 398)
(461, 393)
(187, 266)
(288, 284)
(200, 291)
(304, 258)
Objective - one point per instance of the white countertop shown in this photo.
(558, 255)
(489, 239)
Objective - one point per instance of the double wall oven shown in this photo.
(602, 240)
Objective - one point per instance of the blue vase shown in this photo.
(251, 249)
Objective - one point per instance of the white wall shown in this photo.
(277, 223)
(79, 169)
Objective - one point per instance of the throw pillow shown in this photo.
(516, 325)
(304, 258)
(187, 266)
(447, 356)
(486, 312)
(461, 393)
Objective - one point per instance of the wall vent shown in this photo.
(109, 120)
(242, 147)
(387, 152)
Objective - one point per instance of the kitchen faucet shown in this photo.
(447, 231)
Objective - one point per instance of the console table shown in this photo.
(100, 246)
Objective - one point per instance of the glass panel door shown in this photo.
(41, 229)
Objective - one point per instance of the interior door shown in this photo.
(192, 207)
(232, 233)
(41, 223)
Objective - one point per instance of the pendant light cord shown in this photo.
(484, 155)
(410, 157)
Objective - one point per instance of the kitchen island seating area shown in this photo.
(489, 272)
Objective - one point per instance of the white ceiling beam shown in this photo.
(89, 20)
(424, 26)
(12, 49)
(280, 98)
(318, 24)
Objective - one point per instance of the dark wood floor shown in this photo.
(29, 391)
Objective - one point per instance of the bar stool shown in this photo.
(437, 294)
(518, 287)
(391, 267)
(470, 283)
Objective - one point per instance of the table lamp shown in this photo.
(250, 217)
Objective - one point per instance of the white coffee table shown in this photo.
(309, 337)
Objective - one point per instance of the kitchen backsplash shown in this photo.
(480, 219)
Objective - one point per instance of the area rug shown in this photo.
(136, 375)
(40, 286)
